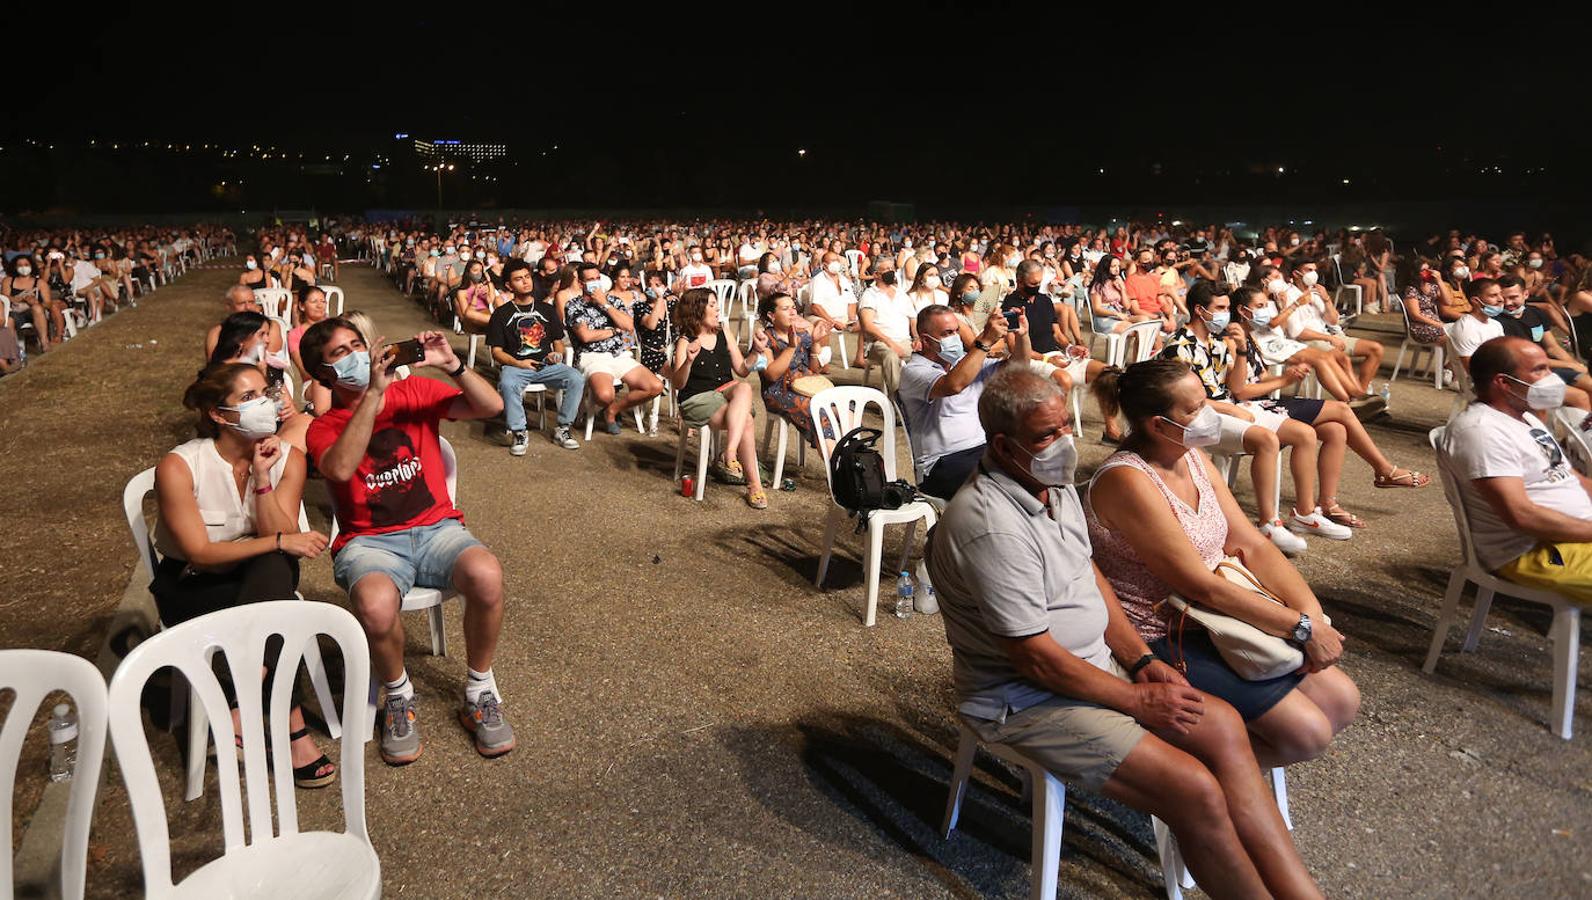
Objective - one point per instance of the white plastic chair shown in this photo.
(775, 420)
(706, 440)
(1050, 802)
(1565, 634)
(279, 862)
(853, 262)
(274, 302)
(746, 298)
(334, 299)
(838, 410)
(1227, 466)
(1576, 443)
(1143, 335)
(140, 486)
(1346, 286)
(422, 598)
(591, 401)
(33, 675)
(724, 289)
(475, 341)
(1434, 362)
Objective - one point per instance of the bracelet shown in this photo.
(264, 490)
(459, 371)
(1137, 667)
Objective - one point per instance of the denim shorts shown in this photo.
(414, 557)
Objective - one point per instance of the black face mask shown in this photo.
(888, 278)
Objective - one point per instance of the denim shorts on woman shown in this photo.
(414, 557)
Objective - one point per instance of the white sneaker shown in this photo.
(562, 438)
(1289, 543)
(518, 444)
(1318, 525)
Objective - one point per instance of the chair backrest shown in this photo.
(1143, 335)
(840, 409)
(334, 299)
(139, 487)
(1456, 501)
(1576, 445)
(804, 297)
(724, 289)
(450, 470)
(273, 301)
(853, 260)
(32, 675)
(240, 634)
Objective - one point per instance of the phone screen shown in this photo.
(405, 353)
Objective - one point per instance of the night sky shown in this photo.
(962, 108)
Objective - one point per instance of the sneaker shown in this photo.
(612, 427)
(484, 719)
(400, 736)
(1289, 543)
(1366, 408)
(1317, 524)
(562, 438)
(520, 442)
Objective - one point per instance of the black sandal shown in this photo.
(304, 776)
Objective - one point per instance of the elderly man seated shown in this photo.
(240, 298)
(1046, 662)
(940, 388)
(1530, 513)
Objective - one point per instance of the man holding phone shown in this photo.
(379, 449)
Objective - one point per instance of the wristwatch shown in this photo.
(1140, 665)
(1301, 632)
(459, 371)
(981, 346)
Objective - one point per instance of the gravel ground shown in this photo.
(696, 719)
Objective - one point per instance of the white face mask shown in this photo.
(696, 257)
(1544, 393)
(833, 268)
(932, 282)
(253, 355)
(593, 287)
(1013, 260)
(1310, 279)
(1293, 242)
(24, 271)
(250, 265)
(256, 418)
(465, 256)
(773, 267)
(1204, 431)
(1534, 263)
(1056, 464)
(1275, 286)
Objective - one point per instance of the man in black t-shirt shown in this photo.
(1524, 321)
(1044, 332)
(527, 341)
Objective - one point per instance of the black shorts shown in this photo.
(1302, 409)
(1210, 673)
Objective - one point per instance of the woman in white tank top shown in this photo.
(229, 531)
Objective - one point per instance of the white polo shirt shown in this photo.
(831, 299)
(892, 312)
(1466, 334)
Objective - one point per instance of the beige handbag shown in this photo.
(1252, 653)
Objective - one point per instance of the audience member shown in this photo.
(707, 361)
(241, 299)
(599, 322)
(886, 319)
(527, 341)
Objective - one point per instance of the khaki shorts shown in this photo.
(1234, 428)
(615, 365)
(699, 408)
(1349, 343)
(1079, 742)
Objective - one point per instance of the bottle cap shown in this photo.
(61, 709)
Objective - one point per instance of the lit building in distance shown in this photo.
(450, 149)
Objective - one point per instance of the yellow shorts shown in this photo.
(1562, 568)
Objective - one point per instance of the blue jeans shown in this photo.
(557, 376)
(414, 557)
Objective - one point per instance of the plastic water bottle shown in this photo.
(63, 743)
(903, 607)
(1387, 393)
(924, 600)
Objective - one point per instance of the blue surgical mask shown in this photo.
(353, 370)
(1262, 317)
(951, 349)
(1536, 333)
(1492, 312)
(970, 297)
(652, 293)
(1219, 321)
(1517, 312)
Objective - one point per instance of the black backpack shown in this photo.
(856, 476)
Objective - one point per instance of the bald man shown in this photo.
(240, 298)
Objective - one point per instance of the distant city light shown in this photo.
(802, 152)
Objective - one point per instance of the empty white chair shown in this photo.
(32, 675)
(1142, 334)
(853, 262)
(1434, 353)
(1346, 287)
(838, 410)
(1565, 633)
(140, 486)
(746, 298)
(775, 420)
(267, 862)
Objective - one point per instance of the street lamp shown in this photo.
(440, 167)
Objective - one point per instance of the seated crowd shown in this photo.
(1055, 600)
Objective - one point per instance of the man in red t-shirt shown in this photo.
(381, 454)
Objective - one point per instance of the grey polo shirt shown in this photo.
(1005, 565)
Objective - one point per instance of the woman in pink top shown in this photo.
(1160, 520)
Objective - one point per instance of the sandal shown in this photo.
(1338, 514)
(730, 473)
(304, 776)
(1402, 478)
(757, 499)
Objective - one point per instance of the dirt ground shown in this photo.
(695, 719)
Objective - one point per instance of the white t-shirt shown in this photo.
(945, 425)
(1482, 442)
(83, 274)
(1307, 316)
(937, 296)
(831, 299)
(696, 275)
(750, 253)
(1466, 334)
(891, 314)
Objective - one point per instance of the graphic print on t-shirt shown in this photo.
(395, 490)
(532, 333)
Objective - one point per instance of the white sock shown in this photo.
(403, 687)
(479, 682)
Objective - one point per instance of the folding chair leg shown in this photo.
(1279, 790)
(961, 771)
(198, 736)
(870, 573)
(1172, 867)
(1050, 802)
(439, 637)
(1566, 637)
(704, 453)
(1456, 586)
(323, 690)
(830, 528)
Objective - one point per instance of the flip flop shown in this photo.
(1402, 478)
(1343, 517)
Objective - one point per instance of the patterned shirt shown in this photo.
(581, 311)
(1210, 363)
